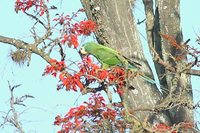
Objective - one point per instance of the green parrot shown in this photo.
(110, 58)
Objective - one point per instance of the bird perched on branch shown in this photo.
(111, 58)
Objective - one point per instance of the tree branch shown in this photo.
(26, 46)
(170, 68)
(193, 72)
(12, 116)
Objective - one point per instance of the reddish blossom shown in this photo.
(89, 72)
(54, 67)
(109, 114)
(71, 81)
(75, 30)
(93, 111)
(163, 128)
(72, 40)
(172, 41)
(85, 27)
(24, 5)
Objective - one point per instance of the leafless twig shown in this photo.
(12, 116)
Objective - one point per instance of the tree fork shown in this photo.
(120, 32)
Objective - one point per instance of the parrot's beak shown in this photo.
(82, 51)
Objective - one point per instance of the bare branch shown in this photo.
(26, 46)
(36, 19)
(20, 100)
(14, 120)
(194, 72)
(168, 66)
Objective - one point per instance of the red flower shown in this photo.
(74, 29)
(23, 5)
(74, 119)
(55, 67)
(72, 39)
(102, 74)
(86, 27)
(109, 114)
(58, 120)
(71, 82)
(172, 41)
(160, 127)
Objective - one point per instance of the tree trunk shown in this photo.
(118, 30)
(168, 18)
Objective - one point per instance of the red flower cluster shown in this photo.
(184, 126)
(72, 39)
(172, 41)
(85, 27)
(115, 76)
(72, 30)
(77, 29)
(94, 111)
(73, 120)
(89, 69)
(54, 67)
(23, 5)
(162, 128)
(71, 82)
(185, 47)
(89, 72)
(109, 114)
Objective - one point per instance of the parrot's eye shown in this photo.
(82, 50)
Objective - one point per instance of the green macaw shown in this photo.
(109, 58)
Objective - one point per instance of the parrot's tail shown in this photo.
(146, 78)
(142, 75)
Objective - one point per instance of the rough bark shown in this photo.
(118, 30)
(168, 18)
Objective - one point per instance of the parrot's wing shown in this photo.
(133, 63)
(124, 59)
(107, 57)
